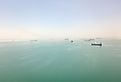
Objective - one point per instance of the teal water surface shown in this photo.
(60, 62)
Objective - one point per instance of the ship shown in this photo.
(96, 44)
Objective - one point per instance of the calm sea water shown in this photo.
(60, 62)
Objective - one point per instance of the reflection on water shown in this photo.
(60, 62)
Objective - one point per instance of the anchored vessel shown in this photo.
(96, 44)
(71, 41)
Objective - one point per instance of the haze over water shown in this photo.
(33, 49)
(45, 19)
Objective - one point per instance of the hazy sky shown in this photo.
(30, 19)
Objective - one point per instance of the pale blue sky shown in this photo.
(86, 16)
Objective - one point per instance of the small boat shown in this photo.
(33, 40)
(90, 40)
(71, 41)
(96, 44)
(66, 39)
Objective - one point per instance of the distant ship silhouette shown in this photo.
(96, 44)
